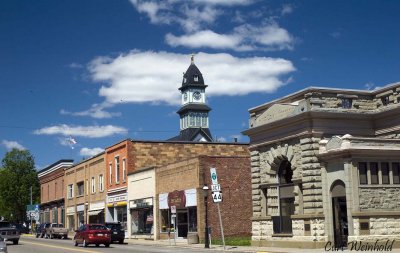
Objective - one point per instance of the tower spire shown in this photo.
(192, 58)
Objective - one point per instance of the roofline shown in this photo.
(127, 139)
(87, 159)
(316, 88)
(55, 166)
(189, 142)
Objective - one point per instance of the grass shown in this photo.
(232, 241)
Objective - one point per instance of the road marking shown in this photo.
(58, 247)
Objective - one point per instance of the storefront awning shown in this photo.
(117, 204)
(94, 212)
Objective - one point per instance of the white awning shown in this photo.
(94, 212)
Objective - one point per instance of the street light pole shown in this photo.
(206, 238)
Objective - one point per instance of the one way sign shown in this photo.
(217, 197)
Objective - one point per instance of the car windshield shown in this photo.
(114, 226)
(57, 225)
(97, 227)
(4, 224)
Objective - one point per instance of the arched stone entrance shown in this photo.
(339, 211)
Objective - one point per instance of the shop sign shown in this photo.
(117, 198)
(80, 208)
(71, 209)
(177, 198)
(96, 206)
(141, 203)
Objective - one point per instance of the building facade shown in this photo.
(51, 178)
(85, 192)
(181, 201)
(325, 168)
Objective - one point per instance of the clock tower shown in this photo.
(194, 122)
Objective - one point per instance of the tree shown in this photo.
(17, 176)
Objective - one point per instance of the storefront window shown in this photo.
(71, 222)
(122, 216)
(192, 219)
(164, 216)
(142, 221)
(81, 218)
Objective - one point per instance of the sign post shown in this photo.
(173, 221)
(217, 198)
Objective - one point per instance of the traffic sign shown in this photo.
(214, 178)
(217, 197)
(215, 187)
(173, 209)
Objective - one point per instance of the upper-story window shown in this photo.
(93, 185)
(124, 169)
(70, 191)
(101, 183)
(111, 174)
(385, 100)
(374, 173)
(196, 78)
(362, 169)
(379, 173)
(81, 188)
(117, 169)
(347, 103)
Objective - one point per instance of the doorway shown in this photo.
(339, 211)
(182, 223)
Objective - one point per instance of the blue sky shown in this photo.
(102, 71)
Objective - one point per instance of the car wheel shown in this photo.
(15, 242)
(121, 241)
(107, 245)
(97, 245)
(51, 236)
(65, 236)
(37, 235)
(76, 243)
(84, 243)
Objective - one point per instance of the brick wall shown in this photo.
(121, 150)
(234, 176)
(52, 186)
(146, 154)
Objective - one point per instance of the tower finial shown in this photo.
(192, 58)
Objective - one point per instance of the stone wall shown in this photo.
(382, 198)
(382, 228)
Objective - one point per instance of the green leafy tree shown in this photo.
(17, 176)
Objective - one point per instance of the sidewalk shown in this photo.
(236, 249)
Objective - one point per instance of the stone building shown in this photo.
(51, 178)
(325, 168)
(85, 192)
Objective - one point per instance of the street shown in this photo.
(30, 244)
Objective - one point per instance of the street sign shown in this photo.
(215, 187)
(214, 178)
(173, 209)
(217, 197)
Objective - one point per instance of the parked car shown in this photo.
(3, 245)
(21, 228)
(56, 230)
(117, 232)
(41, 230)
(92, 234)
(9, 233)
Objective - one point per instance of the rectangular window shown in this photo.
(101, 183)
(165, 224)
(142, 221)
(93, 185)
(362, 169)
(346, 103)
(117, 169)
(124, 170)
(196, 78)
(192, 219)
(87, 186)
(70, 191)
(374, 173)
(396, 173)
(385, 173)
(111, 173)
(81, 188)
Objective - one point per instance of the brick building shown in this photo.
(85, 192)
(325, 168)
(180, 184)
(51, 180)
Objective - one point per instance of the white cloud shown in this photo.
(90, 151)
(96, 111)
(287, 9)
(82, 131)
(154, 77)
(76, 66)
(243, 38)
(12, 144)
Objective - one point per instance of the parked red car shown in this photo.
(92, 234)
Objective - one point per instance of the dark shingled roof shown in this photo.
(190, 133)
(188, 78)
(194, 107)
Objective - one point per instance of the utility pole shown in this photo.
(30, 214)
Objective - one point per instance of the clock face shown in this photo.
(197, 95)
(185, 96)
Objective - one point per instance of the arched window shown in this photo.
(283, 222)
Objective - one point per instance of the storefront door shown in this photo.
(182, 223)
